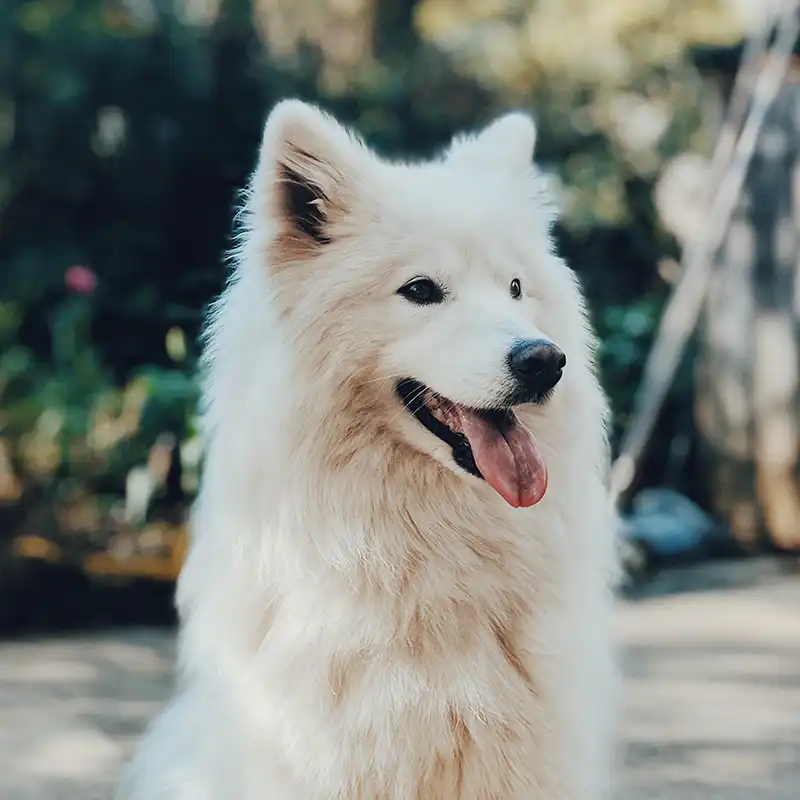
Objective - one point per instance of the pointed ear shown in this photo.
(311, 167)
(508, 141)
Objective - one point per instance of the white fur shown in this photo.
(359, 617)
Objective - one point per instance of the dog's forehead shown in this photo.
(464, 220)
(439, 198)
(447, 194)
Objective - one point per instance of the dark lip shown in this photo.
(412, 393)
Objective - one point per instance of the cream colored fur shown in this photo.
(359, 618)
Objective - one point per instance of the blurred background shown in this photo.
(670, 130)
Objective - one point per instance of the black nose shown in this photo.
(536, 365)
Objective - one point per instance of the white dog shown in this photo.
(399, 584)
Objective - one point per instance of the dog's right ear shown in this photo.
(310, 166)
(507, 142)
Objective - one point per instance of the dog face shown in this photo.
(429, 291)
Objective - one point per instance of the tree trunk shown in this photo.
(748, 395)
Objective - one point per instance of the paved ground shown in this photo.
(712, 700)
(713, 694)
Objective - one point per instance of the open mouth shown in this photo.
(491, 444)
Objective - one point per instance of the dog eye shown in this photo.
(422, 292)
(515, 288)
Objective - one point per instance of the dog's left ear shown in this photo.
(310, 167)
(508, 141)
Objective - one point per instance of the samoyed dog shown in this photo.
(399, 583)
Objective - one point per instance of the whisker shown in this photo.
(380, 380)
(410, 400)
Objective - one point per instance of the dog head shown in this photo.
(422, 301)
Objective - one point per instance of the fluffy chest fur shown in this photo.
(427, 676)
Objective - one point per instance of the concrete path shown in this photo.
(713, 695)
(712, 701)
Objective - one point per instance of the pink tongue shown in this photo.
(509, 460)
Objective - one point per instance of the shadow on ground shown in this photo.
(39, 598)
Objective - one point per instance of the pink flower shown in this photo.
(80, 280)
